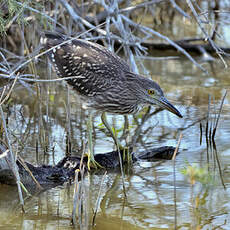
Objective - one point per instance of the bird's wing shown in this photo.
(93, 67)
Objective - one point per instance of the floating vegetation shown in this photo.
(195, 174)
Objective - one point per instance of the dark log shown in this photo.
(64, 171)
(196, 47)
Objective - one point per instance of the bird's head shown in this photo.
(149, 92)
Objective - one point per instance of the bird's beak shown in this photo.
(164, 103)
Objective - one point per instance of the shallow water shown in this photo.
(152, 201)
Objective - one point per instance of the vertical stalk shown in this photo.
(13, 161)
(174, 181)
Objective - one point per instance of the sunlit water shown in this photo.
(152, 201)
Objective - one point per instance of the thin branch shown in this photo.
(78, 18)
(149, 30)
(179, 9)
(39, 12)
(8, 95)
(98, 199)
(38, 80)
(218, 51)
(29, 171)
(177, 147)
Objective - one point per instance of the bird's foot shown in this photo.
(91, 163)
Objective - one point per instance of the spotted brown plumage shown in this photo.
(104, 80)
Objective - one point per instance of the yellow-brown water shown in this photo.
(151, 203)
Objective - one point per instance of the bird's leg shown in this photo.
(91, 161)
(127, 156)
(123, 150)
(106, 124)
(118, 145)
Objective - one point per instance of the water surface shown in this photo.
(152, 202)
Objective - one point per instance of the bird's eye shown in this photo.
(151, 92)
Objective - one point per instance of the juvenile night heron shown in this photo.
(102, 79)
